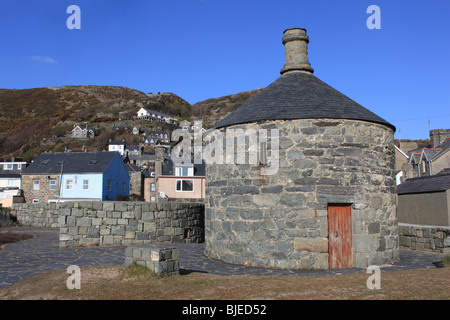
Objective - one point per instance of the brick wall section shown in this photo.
(115, 222)
(424, 238)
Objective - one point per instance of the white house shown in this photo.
(10, 179)
(118, 146)
(151, 115)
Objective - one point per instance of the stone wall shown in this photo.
(115, 222)
(44, 193)
(38, 215)
(281, 220)
(424, 238)
(161, 259)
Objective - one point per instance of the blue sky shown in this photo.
(200, 49)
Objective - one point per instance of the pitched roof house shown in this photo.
(82, 133)
(55, 177)
(178, 181)
(430, 160)
(425, 200)
(151, 115)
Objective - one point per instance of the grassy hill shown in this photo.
(37, 120)
(41, 119)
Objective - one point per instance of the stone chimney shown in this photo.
(295, 43)
(159, 159)
(438, 136)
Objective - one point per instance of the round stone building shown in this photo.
(321, 193)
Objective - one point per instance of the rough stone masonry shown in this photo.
(117, 222)
(281, 220)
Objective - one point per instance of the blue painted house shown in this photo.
(98, 176)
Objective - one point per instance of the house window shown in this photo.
(36, 184)
(152, 188)
(69, 184)
(12, 182)
(85, 184)
(52, 184)
(109, 185)
(184, 172)
(8, 166)
(19, 167)
(185, 185)
(123, 187)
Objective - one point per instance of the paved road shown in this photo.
(28, 258)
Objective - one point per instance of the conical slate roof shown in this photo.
(299, 95)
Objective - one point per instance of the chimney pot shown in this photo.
(295, 43)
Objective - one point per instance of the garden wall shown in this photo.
(114, 222)
(424, 238)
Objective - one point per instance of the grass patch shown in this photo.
(139, 283)
(446, 261)
(11, 237)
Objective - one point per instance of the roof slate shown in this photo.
(299, 95)
(434, 183)
(79, 162)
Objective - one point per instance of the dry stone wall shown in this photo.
(116, 222)
(425, 238)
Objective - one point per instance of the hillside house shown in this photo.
(53, 177)
(117, 146)
(185, 125)
(152, 115)
(82, 133)
(153, 137)
(428, 161)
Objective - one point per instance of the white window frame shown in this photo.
(86, 182)
(181, 180)
(69, 184)
(36, 185)
(52, 184)
(8, 166)
(189, 171)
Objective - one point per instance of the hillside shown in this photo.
(213, 110)
(37, 120)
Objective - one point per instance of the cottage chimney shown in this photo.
(295, 43)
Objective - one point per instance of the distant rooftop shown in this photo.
(79, 162)
(436, 183)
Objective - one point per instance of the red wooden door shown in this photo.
(340, 236)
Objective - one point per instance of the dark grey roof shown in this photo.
(299, 95)
(434, 183)
(79, 162)
(168, 168)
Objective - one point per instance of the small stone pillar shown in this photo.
(160, 259)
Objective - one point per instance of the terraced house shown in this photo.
(98, 176)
